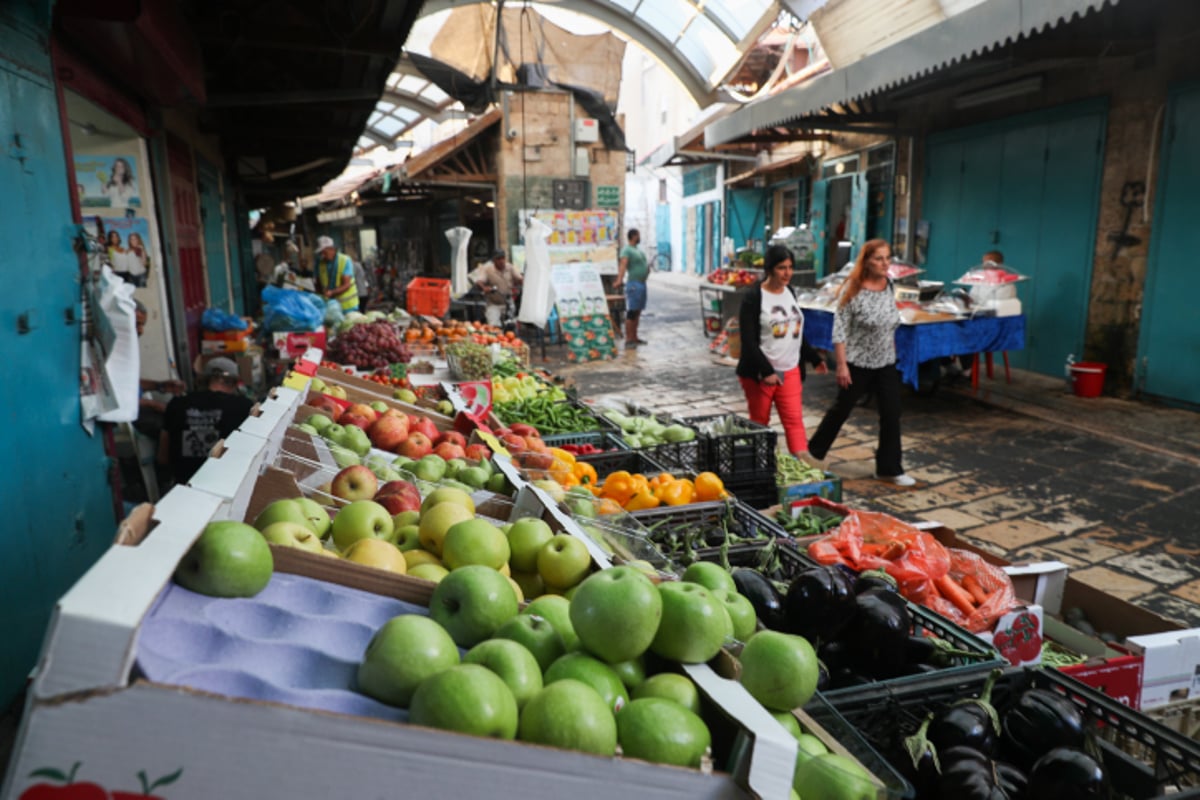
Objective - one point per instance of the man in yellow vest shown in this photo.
(335, 275)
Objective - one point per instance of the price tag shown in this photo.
(295, 380)
(492, 442)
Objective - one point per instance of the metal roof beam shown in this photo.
(292, 98)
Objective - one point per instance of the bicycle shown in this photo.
(659, 260)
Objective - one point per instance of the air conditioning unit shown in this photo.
(587, 131)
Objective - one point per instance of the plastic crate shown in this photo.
(687, 457)
(428, 296)
(1143, 758)
(632, 461)
(602, 439)
(758, 491)
(782, 561)
(712, 518)
(740, 456)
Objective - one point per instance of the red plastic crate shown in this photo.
(430, 296)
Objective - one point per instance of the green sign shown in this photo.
(608, 196)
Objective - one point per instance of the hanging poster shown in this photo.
(590, 235)
(107, 181)
(125, 240)
(583, 312)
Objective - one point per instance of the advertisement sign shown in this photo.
(583, 312)
(107, 181)
(125, 240)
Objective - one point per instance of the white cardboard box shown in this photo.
(230, 471)
(1171, 666)
(270, 418)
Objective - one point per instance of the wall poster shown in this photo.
(107, 181)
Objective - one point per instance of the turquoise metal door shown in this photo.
(1019, 219)
(1169, 342)
(714, 252)
(58, 504)
(212, 219)
(746, 215)
(857, 228)
(703, 213)
(943, 186)
(662, 231)
(818, 223)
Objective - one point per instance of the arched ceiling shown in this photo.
(699, 41)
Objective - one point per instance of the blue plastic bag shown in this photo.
(291, 310)
(218, 319)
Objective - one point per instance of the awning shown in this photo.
(972, 32)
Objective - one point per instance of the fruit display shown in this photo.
(547, 415)
(645, 430)
(356, 318)
(523, 386)
(734, 277)
(369, 345)
(352, 432)
(469, 361)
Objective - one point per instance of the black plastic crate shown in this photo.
(1143, 758)
(704, 524)
(689, 457)
(758, 491)
(750, 453)
(632, 461)
(602, 439)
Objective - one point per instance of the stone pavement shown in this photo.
(1109, 486)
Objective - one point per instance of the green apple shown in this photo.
(447, 494)
(531, 583)
(408, 537)
(670, 686)
(411, 517)
(537, 635)
(376, 462)
(429, 572)
(378, 406)
(498, 483)
(472, 603)
(403, 462)
(292, 534)
(593, 672)
(467, 698)
(662, 732)
(474, 541)
(475, 477)
(454, 466)
(571, 715)
(377, 553)
(430, 468)
(694, 624)
(289, 510)
(556, 610)
(318, 421)
(779, 669)
(355, 438)
(616, 613)
(632, 672)
(436, 522)
(317, 516)
(343, 456)
(386, 474)
(710, 575)
(317, 385)
(362, 519)
(405, 396)
(740, 611)
(309, 429)
(526, 538)
(564, 561)
(228, 559)
(788, 720)
(445, 408)
(552, 488)
(513, 662)
(403, 652)
(831, 776)
(808, 746)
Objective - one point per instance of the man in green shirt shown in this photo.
(632, 271)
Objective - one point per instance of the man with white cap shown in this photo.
(196, 421)
(335, 275)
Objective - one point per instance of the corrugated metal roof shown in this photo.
(973, 32)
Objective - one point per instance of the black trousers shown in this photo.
(884, 382)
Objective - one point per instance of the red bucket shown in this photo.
(1087, 378)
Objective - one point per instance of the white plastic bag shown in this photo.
(459, 238)
(123, 365)
(536, 297)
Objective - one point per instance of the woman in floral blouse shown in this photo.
(864, 343)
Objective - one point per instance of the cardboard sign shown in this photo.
(583, 312)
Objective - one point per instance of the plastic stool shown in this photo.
(990, 370)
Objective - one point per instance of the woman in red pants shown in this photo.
(773, 347)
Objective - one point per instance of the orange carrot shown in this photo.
(978, 593)
(956, 594)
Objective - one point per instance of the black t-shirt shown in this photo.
(195, 422)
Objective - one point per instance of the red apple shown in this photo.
(326, 405)
(388, 432)
(425, 425)
(354, 483)
(397, 503)
(395, 412)
(535, 443)
(362, 409)
(521, 429)
(513, 443)
(416, 446)
(449, 450)
(357, 420)
(454, 437)
(478, 452)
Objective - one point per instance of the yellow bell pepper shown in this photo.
(678, 493)
(562, 455)
(641, 500)
(618, 487)
(709, 486)
(560, 471)
(584, 473)
(639, 483)
(607, 505)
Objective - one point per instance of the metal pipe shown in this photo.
(911, 234)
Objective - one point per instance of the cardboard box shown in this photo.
(269, 419)
(292, 344)
(85, 692)
(1171, 668)
(251, 370)
(224, 345)
(229, 471)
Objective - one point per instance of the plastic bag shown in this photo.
(535, 299)
(290, 310)
(218, 319)
(333, 314)
(980, 614)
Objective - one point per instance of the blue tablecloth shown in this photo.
(929, 340)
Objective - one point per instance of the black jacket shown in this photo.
(753, 364)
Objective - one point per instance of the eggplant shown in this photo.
(762, 594)
(874, 579)
(967, 774)
(1039, 721)
(968, 723)
(920, 762)
(1067, 773)
(819, 603)
(878, 633)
